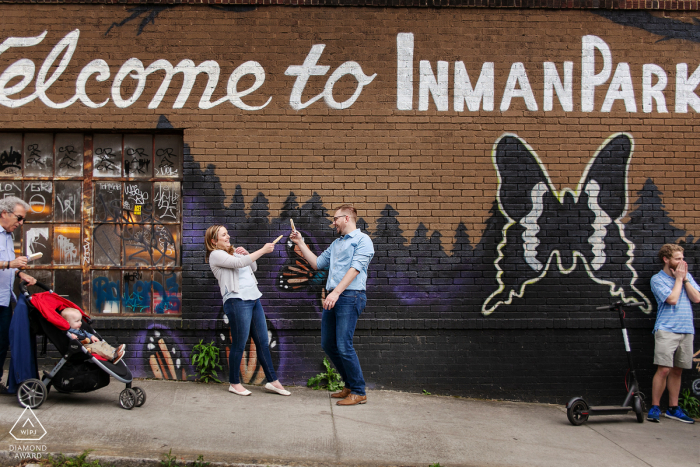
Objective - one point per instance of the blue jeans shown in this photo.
(337, 329)
(246, 317)
(5, 318)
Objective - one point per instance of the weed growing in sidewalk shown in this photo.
(63, 461)
(690, 404)
(169, 460)
(437, 464)
(331, 376)
(205, 357)
(426, 393)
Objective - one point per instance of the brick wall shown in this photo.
(472, 290)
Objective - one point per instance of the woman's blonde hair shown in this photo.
(210, 241)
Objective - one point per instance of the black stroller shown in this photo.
(78, 370)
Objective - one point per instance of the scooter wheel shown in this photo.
(640, 409)
(577, 412)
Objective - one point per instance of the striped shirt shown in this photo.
(7, 276)
(676, 318)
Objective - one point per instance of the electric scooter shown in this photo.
(578, 410)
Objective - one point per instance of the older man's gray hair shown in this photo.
(10, 203)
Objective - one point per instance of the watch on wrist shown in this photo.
(685, 281)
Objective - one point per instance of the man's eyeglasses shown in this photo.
(19, 218)
(338, 217)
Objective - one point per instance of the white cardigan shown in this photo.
(225, 268)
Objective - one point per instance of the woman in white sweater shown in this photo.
(234, 269)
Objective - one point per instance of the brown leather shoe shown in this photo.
(353, 399)
(342, 394)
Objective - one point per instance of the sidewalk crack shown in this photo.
(338, 448)
(619, 446)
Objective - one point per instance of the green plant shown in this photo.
(200, 462)
(63, 461)
(205, 357)
(437, 464)
(426, 392)
(690, 404)
(168, 459)
(331, 376)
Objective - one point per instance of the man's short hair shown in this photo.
(349, 210)
(10, 203)
(668, 250)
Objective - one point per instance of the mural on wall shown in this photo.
(165, 354)
(564, 227)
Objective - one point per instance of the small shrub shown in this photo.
(689, 403)
(63, 461)
(205, 357)
(332, 377)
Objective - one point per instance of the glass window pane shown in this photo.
(69, 155)
(10, 155)
(66, 244)
(38, 151)
(104, 291)
(106, 247)
(69, 284)
(137, 245)
(69, 201)
(10, 188)
(108, 201)
(107, 156)
(166, 242)
(136, 297)
(167, 201)
(44, 276)
(168, 163)
(37, 239)
(137, 201)
(138, 156)
(167, 295)
(39, 196)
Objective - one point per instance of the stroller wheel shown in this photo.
(140, 396)
(127, 399)
(31, 393)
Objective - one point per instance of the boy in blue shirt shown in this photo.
(674, 288)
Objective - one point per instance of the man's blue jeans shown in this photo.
(5, 318)
(246, 317)
(337, 329)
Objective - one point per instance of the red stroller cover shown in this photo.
(50, 306)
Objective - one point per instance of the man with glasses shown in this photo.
(346, 260)
(12, 213)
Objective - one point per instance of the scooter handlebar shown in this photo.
(610, 307)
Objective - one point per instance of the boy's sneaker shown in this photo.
(679, 415)
(654, 414)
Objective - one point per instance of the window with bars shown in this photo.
(105, 211)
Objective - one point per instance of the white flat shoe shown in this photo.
(282, 392)
(245, 392)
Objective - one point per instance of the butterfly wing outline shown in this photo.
(545, 225)
(298, 275)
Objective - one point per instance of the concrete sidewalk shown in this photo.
(393, 428)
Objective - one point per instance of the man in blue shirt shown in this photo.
(12, 213)
(346, 260)
(674, 288)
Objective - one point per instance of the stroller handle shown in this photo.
(23, 287)
(616, 304)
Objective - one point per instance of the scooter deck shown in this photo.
(609, 410)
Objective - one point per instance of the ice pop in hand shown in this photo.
(34, 256)
(277, 239)
(293, 228)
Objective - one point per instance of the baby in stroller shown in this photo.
(90, 341)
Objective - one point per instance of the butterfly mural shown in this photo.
(298, 275)
(547, 228)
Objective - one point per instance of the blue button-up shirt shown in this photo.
(7, 276)
(354, 250)
(676, 318)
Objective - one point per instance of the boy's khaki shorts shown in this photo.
(673, 350)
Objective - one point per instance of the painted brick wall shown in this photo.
(487, 270)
